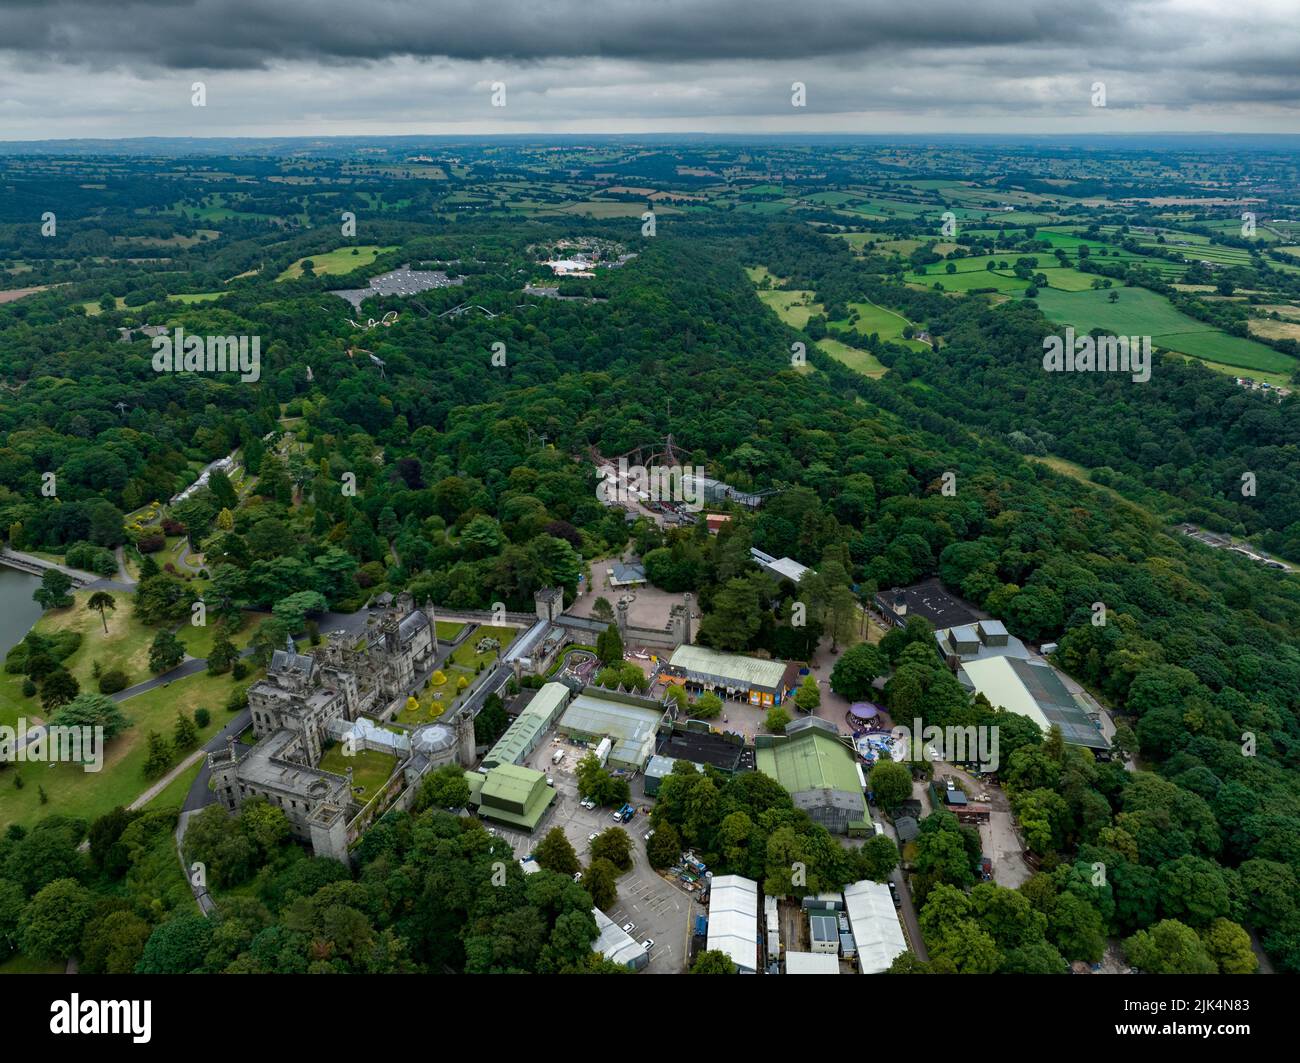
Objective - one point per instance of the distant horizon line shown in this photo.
(665, 134)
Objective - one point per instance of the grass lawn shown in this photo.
(126, 646)
(370, 769)
(198, 640)
(174, 793)
(887, 324)
(340, 260)
(1137, 312)
(75, 792)
(965, 280)
(197, 297)
(447, 630)
(20, 964)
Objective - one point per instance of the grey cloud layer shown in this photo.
(238, 34)
(79, 68)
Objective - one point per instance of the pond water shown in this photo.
(18, 612)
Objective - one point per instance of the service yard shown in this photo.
(659, 909)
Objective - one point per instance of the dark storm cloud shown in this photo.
(244, 34)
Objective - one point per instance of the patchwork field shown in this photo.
(860, 361)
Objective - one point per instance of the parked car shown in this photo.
(628, 927)
(649, 834)
(593, 836)
(577, 876)
(648, 944)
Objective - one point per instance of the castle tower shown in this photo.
(549, 602)
(431, 614)
(466, 744)
(620, 617)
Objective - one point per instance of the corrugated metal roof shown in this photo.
(727, 669)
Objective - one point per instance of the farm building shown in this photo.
(824, 933)
(526, 731)
(732, 675)
(628, 721)
(733, 920)
(657, 769)
(820, 771)
(1036, 691)
(877, 933)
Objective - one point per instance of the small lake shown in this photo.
(18, 612)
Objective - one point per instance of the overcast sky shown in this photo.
(82, 68)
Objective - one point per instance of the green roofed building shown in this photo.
(525, 733)
(510, 794)
(820, 771)
(752, 679)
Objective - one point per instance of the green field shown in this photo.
(863, 362)
(1140, 312)
(887, 324)
(340, 260)
(793, 307)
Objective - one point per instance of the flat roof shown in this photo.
(1036, 692)
(931, 600)
(811, 963)
(873, 918)
(701, 747)
(727, 669)
(733, 919)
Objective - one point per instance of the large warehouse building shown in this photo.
(733, 920)
(732, 675)
(526, 732)
(873, 919)
(629, 722)
(1036, 691)
(820, 771)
